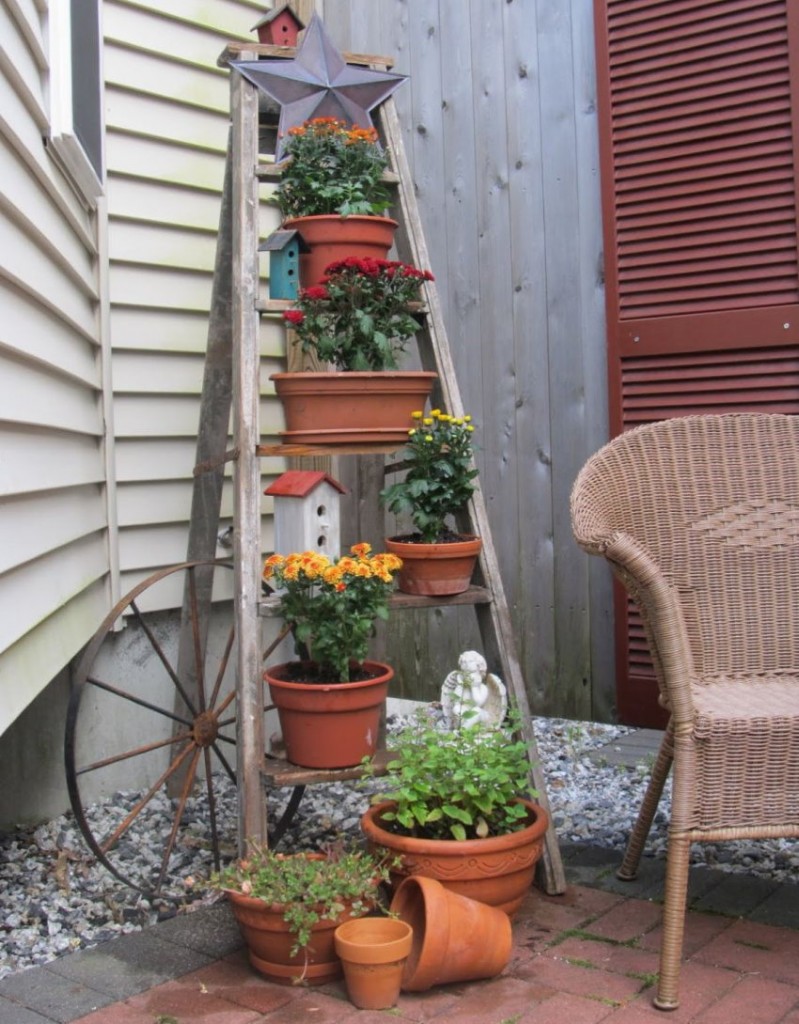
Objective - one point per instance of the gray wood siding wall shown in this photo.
(501, 133)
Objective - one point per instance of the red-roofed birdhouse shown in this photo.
(307, 512)
(280, 27)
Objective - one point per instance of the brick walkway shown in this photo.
(587, 956)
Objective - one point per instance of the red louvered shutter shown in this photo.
(699, 136)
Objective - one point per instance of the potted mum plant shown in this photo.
(359, 318)
(332, 191)
(439, 478)
(329, 701)
(457, 807)
(289, 906)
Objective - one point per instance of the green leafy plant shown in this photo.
(359, 316)
(454, 785)
(308, 888)
(333, 168)
(332, 606)
(440, 474)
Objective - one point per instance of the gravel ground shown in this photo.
(55, 897)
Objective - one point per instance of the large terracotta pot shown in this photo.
(269, 943)
(373, 952)
(352, 407)
(436, 570)
(329, 725)
(331, 237)
(454, 938)
(498, 870)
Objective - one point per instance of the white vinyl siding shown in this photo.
(80, 436)
(53, 504)
(167, 116)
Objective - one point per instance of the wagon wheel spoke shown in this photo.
(147, 736)
(115, 759)
(184, 796)
(121, 829)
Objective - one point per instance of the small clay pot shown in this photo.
(373, 951)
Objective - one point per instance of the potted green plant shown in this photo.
(329, 701)
(289, 906)
(359, 319)
(332, 191)
(457, 807)
(438, 480)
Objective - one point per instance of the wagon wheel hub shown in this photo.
(205, 729)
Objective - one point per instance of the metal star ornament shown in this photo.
(319, 83)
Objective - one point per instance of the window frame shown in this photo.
(63, 141)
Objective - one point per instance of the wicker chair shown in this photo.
(699, 518)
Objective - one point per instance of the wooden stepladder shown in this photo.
(232, 377)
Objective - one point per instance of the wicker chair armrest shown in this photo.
(659, 604)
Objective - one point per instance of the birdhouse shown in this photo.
(307, 512)
(280, 27)
(284, 248)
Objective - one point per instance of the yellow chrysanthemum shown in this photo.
(417, 414)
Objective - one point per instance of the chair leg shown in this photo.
(677, 866)
(637, 840)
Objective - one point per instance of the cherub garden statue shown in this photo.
(471, 695)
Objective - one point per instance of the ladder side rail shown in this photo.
(206, 499)
(500, 634)
(246, 471)
(550, 868)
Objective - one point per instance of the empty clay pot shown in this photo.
(454, 938)
(373, 951)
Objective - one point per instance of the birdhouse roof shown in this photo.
(298, 483)
(271, 15)
(280, 239)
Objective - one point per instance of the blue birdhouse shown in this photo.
(284, 248)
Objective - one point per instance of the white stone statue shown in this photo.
(472, 695)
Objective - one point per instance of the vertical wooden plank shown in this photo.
(246, 476)
(598, 601)
(527, 325)
(566, 384)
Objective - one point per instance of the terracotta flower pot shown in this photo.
(454, 938)
(373, 951)
(356, 406)
(331, 237)
(269, 943)
(435, 570)
(329, 725)
(498, 870)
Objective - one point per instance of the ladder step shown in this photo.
(279, 772)
(269, 607)
(272, 172)
(328, 449)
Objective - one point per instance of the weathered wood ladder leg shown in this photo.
(494, 620)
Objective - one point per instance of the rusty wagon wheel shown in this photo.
(161, 728)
